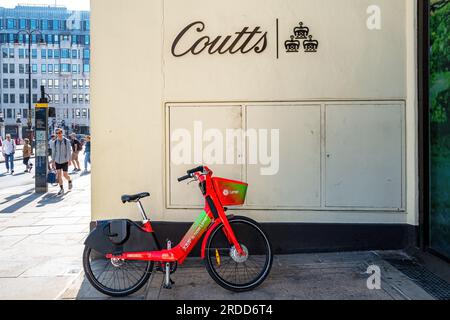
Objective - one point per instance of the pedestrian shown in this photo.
(61, 154)
(50, 145)
(8, 150)
(87, 153)
(26, 152)
(76, 148)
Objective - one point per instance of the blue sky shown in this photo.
(70, 4)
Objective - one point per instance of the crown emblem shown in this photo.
(301, 32)
(310, 45)
(292, 45)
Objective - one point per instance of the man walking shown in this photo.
(61, 155)
(76, 148)
(8, 150)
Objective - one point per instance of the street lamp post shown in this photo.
(41, 41)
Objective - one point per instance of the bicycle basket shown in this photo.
(230, 192)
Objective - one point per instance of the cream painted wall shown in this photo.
(134, 75)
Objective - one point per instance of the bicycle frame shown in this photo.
(210, 218)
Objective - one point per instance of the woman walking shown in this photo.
(26, 152)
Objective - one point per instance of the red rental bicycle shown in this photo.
(119, 255)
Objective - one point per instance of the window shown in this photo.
(35, 98)
(50, 53)
(22, 98)
(27, 68)
(50, 83)
(5, 68)
(12, 83)
(56, 53)
(35, 83)
(80, 83)
(34, 68)
(33, 53)
(5, 84)
(43, 82)
(86, 84)
(28, 83)
(84, 113)
(12, 98)
(27, 98)
(80, 98)
(44, 24)
(43, 68)
(65, 67)
(74, 68)
(9, 113)
(86, 54)
(56, 69)
(74, 98)
(21, 53)
(5, 98)
(65, 54)
(5, 53)
(10, 24)
(74, 83)
(21, 68)
(11, 53)
(25, 113)
(77, 113)
(56, 98)
(86, 68)
(74, 54)
(50, 68)
(86, 98)
(43, 53)
(56, 84)
(11, 68)
(33, 23)
(21, 84)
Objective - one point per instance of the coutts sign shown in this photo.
(243, 42)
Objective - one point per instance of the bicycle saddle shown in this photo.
(134, 197)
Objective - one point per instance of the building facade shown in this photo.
(330, 90)
(60, 61)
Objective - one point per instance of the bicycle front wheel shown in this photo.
(232, 271)
(115, 277)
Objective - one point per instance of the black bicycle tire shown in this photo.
(211, 270)
(98, 286)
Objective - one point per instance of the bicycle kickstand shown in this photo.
(167, 280)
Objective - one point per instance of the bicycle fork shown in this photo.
(167, 281)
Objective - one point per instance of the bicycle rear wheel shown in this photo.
(115, 277)
(234, 272)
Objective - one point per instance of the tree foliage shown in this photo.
(439, 60)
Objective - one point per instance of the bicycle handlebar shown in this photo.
(184, 178)
(200, 168)
(190, 173)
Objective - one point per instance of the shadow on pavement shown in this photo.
(20, 204)
(49, 198)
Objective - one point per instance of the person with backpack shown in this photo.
(8, 150)
(76, 148)
(61, 155)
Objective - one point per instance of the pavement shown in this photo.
(41, 245)
(41, 236)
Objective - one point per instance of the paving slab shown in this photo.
(341, 276)
(17, 231)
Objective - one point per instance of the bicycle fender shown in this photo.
(208, 233)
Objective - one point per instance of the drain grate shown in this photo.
(427, 280)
